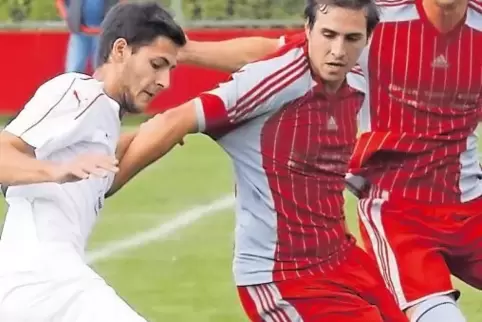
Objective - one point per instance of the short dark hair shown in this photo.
(139, 24)
(372, 12)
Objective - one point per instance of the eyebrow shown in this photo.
(352, 34)
(166, 61)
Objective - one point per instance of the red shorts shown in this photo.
(418, 246)
(353, 291)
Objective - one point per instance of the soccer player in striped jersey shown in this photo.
(288, 122)
(421, 215)
(417, 162)
(53, 184)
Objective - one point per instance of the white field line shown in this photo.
(163, 230)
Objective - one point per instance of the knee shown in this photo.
(436, 309)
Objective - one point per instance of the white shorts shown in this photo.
(47, 285)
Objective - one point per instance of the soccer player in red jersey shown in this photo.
(421, 215)
(288, 122)
(416, 166)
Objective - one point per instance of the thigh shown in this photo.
(75, 294)
(353, 291)
(465, 261)
(94, 52)
(296, 301)
(406, 249)
(98, 302)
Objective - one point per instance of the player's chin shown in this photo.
(140, 107)
(334, 76)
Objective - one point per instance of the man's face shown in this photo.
(146, 72)
(335, 42)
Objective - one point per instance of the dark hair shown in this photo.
(139, 24)
(371, 9)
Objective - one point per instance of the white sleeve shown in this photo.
(55, 117)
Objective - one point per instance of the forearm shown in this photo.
(18, 168)
(61, 8)
(147, 146)
(228, 55)
(124, 143)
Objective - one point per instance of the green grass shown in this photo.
(187, 276)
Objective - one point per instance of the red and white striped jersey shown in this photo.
(290, 143)
(423, 106)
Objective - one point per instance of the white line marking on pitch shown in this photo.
(163, 230)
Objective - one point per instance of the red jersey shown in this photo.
(290, 143)
(423, 106)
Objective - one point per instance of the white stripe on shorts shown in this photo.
(369, 211)
(270, 304)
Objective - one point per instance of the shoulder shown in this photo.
(356, 79)
(474, 15)
(288, 54)
(397, 10)
(66, 94)
(62, 85)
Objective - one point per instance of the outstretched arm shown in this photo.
(222, 108)
(228, 55)
(154, 139)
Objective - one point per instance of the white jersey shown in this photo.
(68, 116)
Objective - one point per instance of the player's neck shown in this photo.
(445, 19)
(110, 86)
(331, 88)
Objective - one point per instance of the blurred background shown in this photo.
(165, 241)
(38, 45)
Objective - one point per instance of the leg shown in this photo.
(94, 52)
(466, 262)
(436, 309)
(60, 293)
(98, 302)
(354, 291)
(464, 258)
(77, 53)
(407, 250)
(307, 302)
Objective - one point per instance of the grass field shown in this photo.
(185, 276)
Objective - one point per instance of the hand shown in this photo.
(83, 167)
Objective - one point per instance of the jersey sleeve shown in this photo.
(255, 90)
(56, 116)
(288, 38)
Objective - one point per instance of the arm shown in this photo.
(225, 107)
(52, 120)
(18, 164)
(229, 55)
(153, 140)
(63, 13)
(61, 8)
(124, 143)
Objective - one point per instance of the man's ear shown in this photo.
(120, 50)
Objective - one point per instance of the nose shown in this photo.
(163, 79)
(338, 49)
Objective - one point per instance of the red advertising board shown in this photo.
(29, 58)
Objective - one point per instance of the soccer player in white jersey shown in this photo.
(58, 159)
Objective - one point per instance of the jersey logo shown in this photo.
(440, 62)
(332, 126)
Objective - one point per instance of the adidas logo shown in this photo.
(440, 62)
(332, 126)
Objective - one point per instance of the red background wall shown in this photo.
(29, 58)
